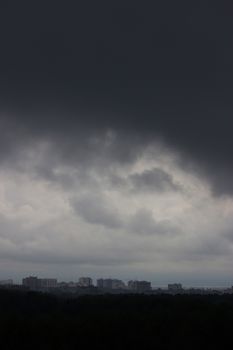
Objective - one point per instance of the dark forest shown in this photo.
(34, 320)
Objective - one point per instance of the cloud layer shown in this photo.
(73, 219)
(116, 138)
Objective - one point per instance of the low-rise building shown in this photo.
(8, 282)
(175, 287)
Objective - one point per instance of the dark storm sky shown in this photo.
(89, 87)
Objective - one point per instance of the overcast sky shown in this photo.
(116, 140)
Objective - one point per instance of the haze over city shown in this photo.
(116, 141)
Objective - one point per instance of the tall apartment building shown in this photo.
(139, 286)
(118, 284)
(85, 282)
(104, 283)
(47, 283)
(32, 282)
(100, 283)
(35, 283)
(109, 283)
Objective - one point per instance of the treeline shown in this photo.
(41, 321)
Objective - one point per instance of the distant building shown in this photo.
(85, 282)
(8, 282)
(71, 286)
(32, 282)
(139, 286)
(100, 283)
(118, 284)
(35, 283)
(175, 287)
(46, 283)
(104, 283)
(109, 283)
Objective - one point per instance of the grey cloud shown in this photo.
(95, 209)
(49, 245)
(205, 249)
(11, 232)
(22, 254)
(155, 179)
(143, 223)
(117, 182)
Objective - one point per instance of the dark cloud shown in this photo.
(156, 70)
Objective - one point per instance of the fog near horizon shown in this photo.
(116, 141)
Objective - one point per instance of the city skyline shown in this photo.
(154, 283)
